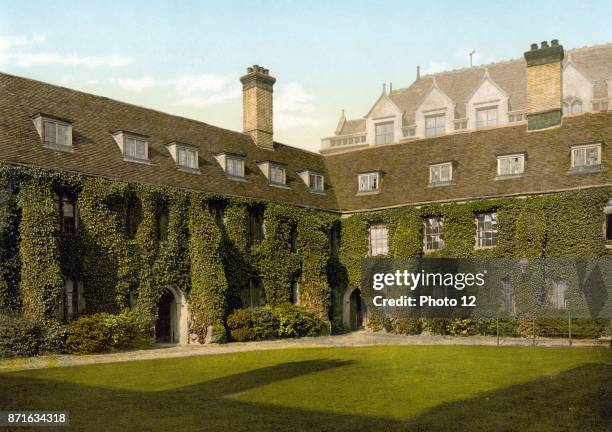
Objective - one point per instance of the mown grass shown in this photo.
(382, 388)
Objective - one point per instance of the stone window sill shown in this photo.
(59, 147)
(375, 192)
(138, 161)
(508, 176)
(280, 186)
(441, 184)
(189, 170)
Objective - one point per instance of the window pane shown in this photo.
(486, 117)
(378, 240)
(277, 175)
(435, 125)
(384, 133)
(130, 147)
(182, 158)
(62, 135)
(140, 149)
(50, 132)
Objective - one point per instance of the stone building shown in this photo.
(108, 206)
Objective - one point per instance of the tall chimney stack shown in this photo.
(257, 105)
(544, 85)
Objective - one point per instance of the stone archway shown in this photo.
(353, 309)
(172, 324)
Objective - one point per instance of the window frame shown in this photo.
(428, 233)
(378, 246)
(521, 156)
(389, 138)
(55, 124)
(486, 124)
(480, 229)
(441, 165)
(370, 175)
(136, 138)
(313, 186)
(585, 147)
(436, 128)
(271, 168)
(187, 150)
(233, 160)
(61, 198)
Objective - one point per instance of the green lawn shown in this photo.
(382, 388)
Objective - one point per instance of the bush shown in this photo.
(18, 336)
(89, 334)
(587, 328)
(127, 329)
(53, 338)
(240, 325)
(407, 326)
(437, 326)
(375, 324)
(462, 327)
(296, 321)
(265, 323)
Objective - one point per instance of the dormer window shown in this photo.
(384, 133)
(314, 180)
(486, 117)
(234, 166)
(440, 174)
(55, 134)
(187, 158)
(435, 125)
(369, 182)
(274, 172)
(586, 158)
(277, 174)
(135, 148)
(510, 165)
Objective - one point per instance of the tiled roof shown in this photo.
(405, 167)
(95, 118)
(459, 85)
(353, 126)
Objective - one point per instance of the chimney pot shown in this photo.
(554, 42)
(534, 46)
(544, 44)
(249, 70)
(418, 72)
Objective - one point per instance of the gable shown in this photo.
(435, 99)
(576, 84)
(384, 107)
(486, 92)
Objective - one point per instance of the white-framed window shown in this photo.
(586, 155)
(510, 164)
(234, 166)
(135, 148)
(56, 133)
(384, 133)
(486, 230)
(572, 107)
(555, 294)
(435, 125)
(515, 117)
(486, 117)
(277, 174)
(187, 157)
(369, 182)
(316, 182)
(65, 205)
(378, 239)
(441, 173)
(433, 233)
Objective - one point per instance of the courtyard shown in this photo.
(377, 388)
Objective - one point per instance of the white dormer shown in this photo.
(135, 147)
(232, 164)
(314, 180)
(185, 156)
(55, 133)
(577, 90)
(488, 105)
(435, 113)
(384, 121)
(274, 172)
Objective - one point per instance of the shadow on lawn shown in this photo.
(573, 400)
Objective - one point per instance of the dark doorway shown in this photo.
(356, 308)
(163, 326)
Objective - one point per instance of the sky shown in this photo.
(186, 58)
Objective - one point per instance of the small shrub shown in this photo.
(375, 324)
(88, 334)
(437, 326)
(462, 327)
(127, 329)
(240, 324)
(220, 334)
(53, 338)
(18, 336)
(296, 321)
(265, 323)
(407, 326)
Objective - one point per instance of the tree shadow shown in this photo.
(577, 399)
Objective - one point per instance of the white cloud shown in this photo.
(12, 51)
(189, 84)
(291, 105)
(138, 84)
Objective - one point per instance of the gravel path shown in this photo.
(355, 339)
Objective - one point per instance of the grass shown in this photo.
(382, 388)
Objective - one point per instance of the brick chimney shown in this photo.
(544, 85)
(257, 105)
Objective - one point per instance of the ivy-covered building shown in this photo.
(107, 206)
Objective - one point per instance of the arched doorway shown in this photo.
(172, 325)
(354, 310)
